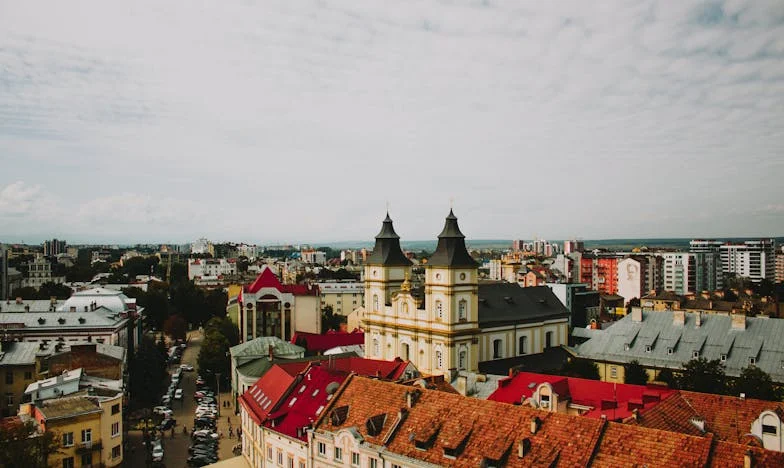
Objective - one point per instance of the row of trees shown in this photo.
(220, 334)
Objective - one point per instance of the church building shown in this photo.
(455, 321)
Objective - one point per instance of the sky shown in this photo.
(295, 121)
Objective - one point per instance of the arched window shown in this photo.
(404, 351)
(462, 310)
(439, 310)
(405, 308)
(439, 360)
(376, 350)
(522, 345)
(375, 302)
(461, 360)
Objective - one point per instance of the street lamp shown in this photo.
(217, 393)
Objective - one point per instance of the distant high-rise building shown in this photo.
(571, 246)
(679, 272)
(780, 267)
(600, 273)
(202, 246)
(753, 259)
(4, 289)
(517, 245)
(54, 247)
(709, 271)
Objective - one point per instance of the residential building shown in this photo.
(710, 272)
(454, 322)
(679, 272)
(313, 257)
(89, 429)
(97, 314)
(780, 267)
(668, 338)
(39, 271)
(637, 275)
(20, 364)
(572, 246)
(753, 259)
(251, 359)
(342, 296)
(97, 360)
(202, 247)
(372, 423)
(533, 277)
(494, 269)
(211, 268)
(581, 397)
(54, 247)
(5, 290)
(270, 308)
(600, 272)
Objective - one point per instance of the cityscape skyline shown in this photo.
(278, 121)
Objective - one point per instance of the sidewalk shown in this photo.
(227, 415)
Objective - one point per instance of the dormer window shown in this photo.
(752, 361)
(695, 354)
(669, 351)
(647, 348)
(544, 401)
(723, 358)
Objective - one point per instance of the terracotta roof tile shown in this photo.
(625, 445)
(728, 455)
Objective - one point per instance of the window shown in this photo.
(116, 451)
(9, 399)
(28, 375)
(462, 310)
(752, 361)
(87, 435)
(269, 453)
(115, 429)
(280, 457)
(372, 463)
(68, 462)
(647, 348)
(376, 350)
(301, 464)
(68, 439)
(544, 401)
(375, 301)
(354, 459)
(613, 372)
(548, 339)
(404, 351)
(497, 353)
(522, 345)
(695, 354)
(289, 462)
(768, 429)
(439, 360)
(723, 358)
(116, 408)
(87, 459)
(9, 377)
(338, 454)
(322, 449)
(396, 466)
(439, 310)
(461, 360)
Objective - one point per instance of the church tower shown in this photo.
(386, 269)
(452, 302)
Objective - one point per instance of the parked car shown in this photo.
(161, 410)
(203, 393)
(178, 394)
(167, 424)
(206, 433)
(166, 400)
(200, 381)
(201, 460)
(157, 452)
(186, 367)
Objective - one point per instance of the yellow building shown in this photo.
(453, 323)
(19, 367)
(342, 296)
(88, 428)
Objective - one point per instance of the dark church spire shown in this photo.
(387, 251)
(451, 250)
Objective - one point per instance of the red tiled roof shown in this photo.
(267, 279)
(624, 445)
(615, 401)
(729, 455)
(263, 397)
(726, 417)
(305, 402)
(320, 343)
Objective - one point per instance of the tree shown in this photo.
(213, 356)
(175, 327)
(635, 374)
(756, 383)
(331, 320)
(60, 291)
(147, 374)
(666, 376)
(581, 368)
(702, 375)
(24, 447)
(27, 292)
(225, 327)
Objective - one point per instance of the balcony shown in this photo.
(87, 447)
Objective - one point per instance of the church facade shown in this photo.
(453, 322)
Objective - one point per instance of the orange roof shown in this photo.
(727, 455)
(625, 445)
(726, 417)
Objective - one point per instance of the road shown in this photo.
(176, 448)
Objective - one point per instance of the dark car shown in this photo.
(202, 447)
(201, 460)
(204, 423)
(202, 452)
(167, 424)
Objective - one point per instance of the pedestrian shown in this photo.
(231, 433)
(184, 430)
(228, 420)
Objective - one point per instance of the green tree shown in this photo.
(702, 375)
(60, 291)
(23, 447)
(175, 327)
(225, 327)
(214, 355)
(139, 266)
(666, 376)
(635, 374)
(27, 292)
(756, 383)
(331, 320)
(147, 374)
(582, 368)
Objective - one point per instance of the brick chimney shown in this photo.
(636, 314)
(678, 317)
(738, 321)
(698, 320)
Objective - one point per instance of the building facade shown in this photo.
(753, 259)
(39, 271)
(600, 272)
(54, 247)
(679, 272)
(710, 272)
(342, 296)
(210, 267)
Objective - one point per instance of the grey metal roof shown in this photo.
(18, 353)
(451, 250)
(98, 318)
(34, 305)
(624, 341)
(387, 250)
(503, 303)
(260, 347)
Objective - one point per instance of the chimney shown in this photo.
(535, 424)
(742, 396)
(523, 447)
(462, 385)
(53, 300)
(271, 348)
(748, 462)
(698, 320)
(636, 414)
(678, 317)
(636, 314)
(411, 398)
(738, 321)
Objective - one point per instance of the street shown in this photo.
(176, 448)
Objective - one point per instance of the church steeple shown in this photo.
(451, 250)
(387, 251)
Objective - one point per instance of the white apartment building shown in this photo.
(210, 267)
(202, 246)
(39, 271)
(679, 272)
(495, 267)
(343, 297)
(753, 259)
(780, 267)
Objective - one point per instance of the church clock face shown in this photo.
(462, 276)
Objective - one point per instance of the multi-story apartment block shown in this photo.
(710, 273)
(202, 247)
(753, 259)
(780, 267)
(679, 272)
(54, 247)
(343, 297)
(211, 267)
(39, 271)
(638, 275)
(314, 257)
(600, 272)
(572, 246)
(495, 269)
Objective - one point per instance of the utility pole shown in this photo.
(217, 393)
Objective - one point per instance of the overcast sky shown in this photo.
(300, 120)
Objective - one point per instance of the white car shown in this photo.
(165, 400)
(178, 394)
(157, 452)
(205, 432)
(186, 367)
